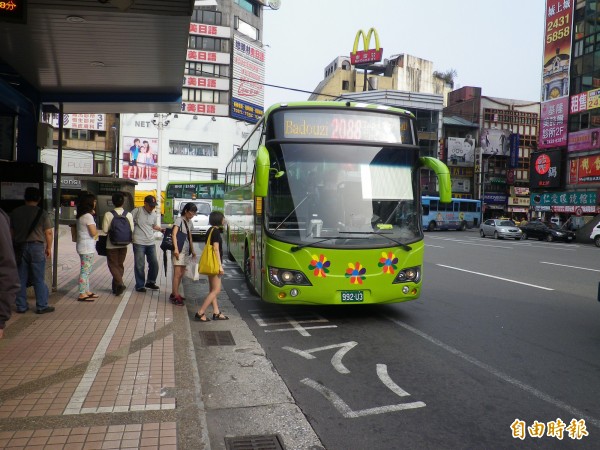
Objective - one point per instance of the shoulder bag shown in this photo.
(209, 263)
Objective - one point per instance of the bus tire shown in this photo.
(463, 226)
(431, 226)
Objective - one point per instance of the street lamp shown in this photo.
(160, 121)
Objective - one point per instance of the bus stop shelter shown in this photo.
(87, 56)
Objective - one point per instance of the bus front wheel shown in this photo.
(431, 226)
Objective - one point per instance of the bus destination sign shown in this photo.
(13, 11)
(345, 126)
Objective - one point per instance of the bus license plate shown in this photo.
(352, 296)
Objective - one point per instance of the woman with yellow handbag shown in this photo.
(214, 240)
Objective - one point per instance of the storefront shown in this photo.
(575, 207)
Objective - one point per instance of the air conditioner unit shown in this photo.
(44, 135)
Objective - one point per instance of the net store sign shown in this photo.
(13, 11)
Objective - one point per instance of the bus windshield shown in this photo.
(336, 195)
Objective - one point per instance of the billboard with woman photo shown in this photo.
(140, 158)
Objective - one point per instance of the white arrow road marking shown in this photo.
(382, 373)
(336, 359)
(347, 412)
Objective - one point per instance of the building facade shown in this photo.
(565, 171)
(496, 161)
(222, 97)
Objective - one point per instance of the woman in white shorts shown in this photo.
(182, 252)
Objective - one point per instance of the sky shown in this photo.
(496, 45)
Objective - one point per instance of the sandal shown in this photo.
(92, 295)
(201, 317)
(85, 299)
(220, 316)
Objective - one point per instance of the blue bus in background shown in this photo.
(459, 214)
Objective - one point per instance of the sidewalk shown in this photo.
(122, 372)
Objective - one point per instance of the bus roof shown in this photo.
(338, 105)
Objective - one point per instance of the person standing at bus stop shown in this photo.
(144, 221)
(116, 252)
(32, 228)
(9, 275)
(180, 255)
(216, 220)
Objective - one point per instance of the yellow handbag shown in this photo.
(209, 263)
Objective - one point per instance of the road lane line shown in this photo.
(497, 278)
(571, 267)
(501, 375)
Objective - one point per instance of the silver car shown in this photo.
(500, 229)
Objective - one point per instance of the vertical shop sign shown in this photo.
(555, 81)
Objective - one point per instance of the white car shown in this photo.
(596, 235)
(200, 223)
(500, 229)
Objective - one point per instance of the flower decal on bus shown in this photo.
(356, 273)
(388, 261)
(319, 265)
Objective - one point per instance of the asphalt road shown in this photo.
(505, 333)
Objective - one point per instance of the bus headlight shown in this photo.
(282, 277)
(408, 275)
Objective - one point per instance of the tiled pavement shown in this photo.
(103, 374)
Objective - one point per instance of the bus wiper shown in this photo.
(308, 194)
(308, 244)
(400, 244)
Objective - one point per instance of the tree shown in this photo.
(448, 76)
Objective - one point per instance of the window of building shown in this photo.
(82, 135)
(207, 17)
(345, 85)
(247, 29)
(204, 96)
(208, 43)
(248, 6)
(187, 148)
(206, 70)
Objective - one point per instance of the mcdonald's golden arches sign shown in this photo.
(367, 55)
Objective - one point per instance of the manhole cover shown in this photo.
(216, 338)
(264, 442)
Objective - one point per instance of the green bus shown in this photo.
(323, 204)
(177, 192)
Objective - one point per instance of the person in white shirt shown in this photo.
(144, 219)
(87, 234)
(116, 254)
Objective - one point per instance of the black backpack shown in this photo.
(119, 232)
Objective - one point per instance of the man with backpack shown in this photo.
(118, 225)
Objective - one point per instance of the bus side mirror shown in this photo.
(443, 174)
(263, 165)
